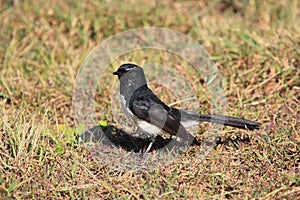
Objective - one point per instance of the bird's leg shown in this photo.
(149, 146)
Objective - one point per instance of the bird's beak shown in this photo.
(116, 73)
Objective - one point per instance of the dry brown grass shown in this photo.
(255, 45)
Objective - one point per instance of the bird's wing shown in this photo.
(155, 114)
(147, 106)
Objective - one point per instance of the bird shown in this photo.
(151, 115)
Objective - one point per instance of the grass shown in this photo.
(255, 45)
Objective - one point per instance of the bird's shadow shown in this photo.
(112, 136)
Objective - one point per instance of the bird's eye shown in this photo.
(128, 69)
(123, 70)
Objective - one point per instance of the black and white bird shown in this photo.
(152, 115)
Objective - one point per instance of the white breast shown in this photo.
(145, 126)
(149, 128)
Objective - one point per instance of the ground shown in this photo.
(254, 44)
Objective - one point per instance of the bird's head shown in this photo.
(130, 70)
(131, 78)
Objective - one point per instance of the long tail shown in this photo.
(189, 119)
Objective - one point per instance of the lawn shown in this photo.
(254, 44)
